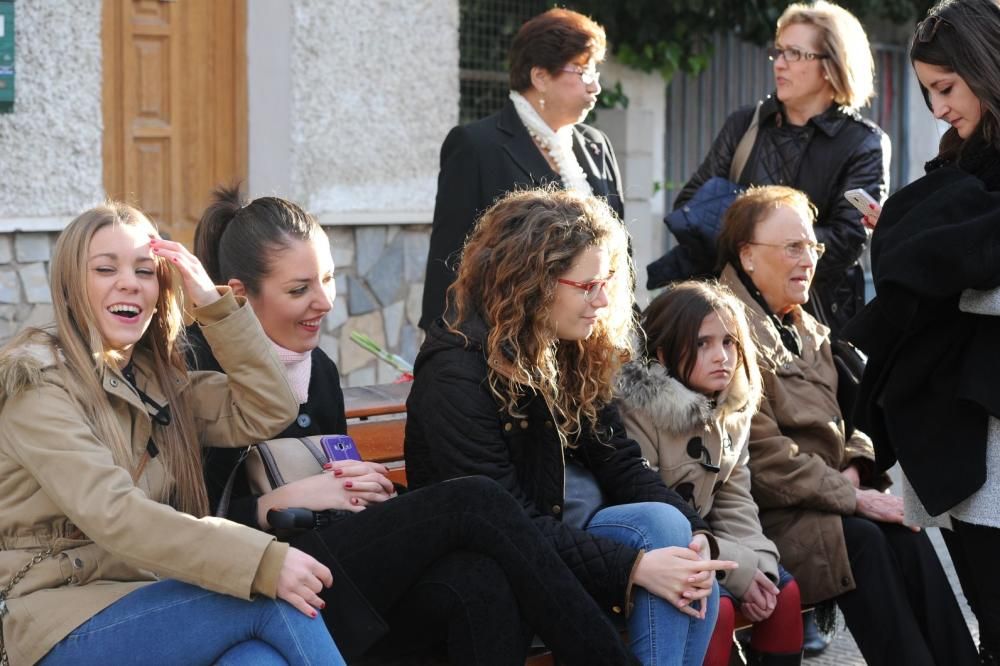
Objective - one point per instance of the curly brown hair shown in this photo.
(508, 276)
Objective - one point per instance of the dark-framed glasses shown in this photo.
(794, 55)
(590, 289)
(588, 76)
(927, 28)
(795, 249)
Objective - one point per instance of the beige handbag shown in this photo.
(275, 462)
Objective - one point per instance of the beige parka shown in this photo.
(798, 448)
(60, 488)
(679, 429)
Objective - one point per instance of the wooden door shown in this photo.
(175, 109)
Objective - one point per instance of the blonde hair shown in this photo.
(850, 67)
(79, 352)
(508, 276)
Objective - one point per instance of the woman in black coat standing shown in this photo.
(929, 397)
(535, 139)
(810, 137)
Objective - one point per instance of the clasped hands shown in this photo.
(681, 575)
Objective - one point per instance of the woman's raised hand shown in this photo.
(680, 576)
(300, 581)
(197, 285)
(349, 485)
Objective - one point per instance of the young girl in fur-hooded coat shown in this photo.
(689, 406)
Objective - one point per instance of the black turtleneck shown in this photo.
(785, 325)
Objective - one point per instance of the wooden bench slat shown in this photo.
(365, 401)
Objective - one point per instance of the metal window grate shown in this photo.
(485, 31)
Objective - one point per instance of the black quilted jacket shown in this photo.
(835, 151)
(455, 427)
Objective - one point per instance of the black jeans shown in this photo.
(974, 549)
(461, 563)
(903, 610)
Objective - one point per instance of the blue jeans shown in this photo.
(658, 632)
(170, 622)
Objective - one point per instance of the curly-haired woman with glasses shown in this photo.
(821, 498)
(810, 136)
(929, 393)
(516, 384)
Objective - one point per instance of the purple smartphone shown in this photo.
(339, 447)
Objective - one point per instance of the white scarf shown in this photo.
(559, 145)
(298, 370)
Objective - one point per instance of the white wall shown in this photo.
(50, 146)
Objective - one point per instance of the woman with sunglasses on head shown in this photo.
(537, 138)
(456, 567)
(929, 393)
(810, 136)
(820, 496)
(515, 383)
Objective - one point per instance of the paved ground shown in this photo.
(843, 651)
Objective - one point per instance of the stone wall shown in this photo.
(380, 273)
(25, 299)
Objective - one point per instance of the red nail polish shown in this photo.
(328, 466)
(354, 500)
(322, 605)
(338, 472)
(312, 614)
(872, 206)
(348, 484)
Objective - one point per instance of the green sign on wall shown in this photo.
(6, 56)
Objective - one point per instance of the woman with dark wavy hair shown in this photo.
(929, 393)
(516, 384)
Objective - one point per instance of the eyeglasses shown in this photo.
(795, 249)
(794, 55)
(588, 76)
(590, 289)
(927, 28)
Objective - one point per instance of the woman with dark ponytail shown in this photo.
(457, 564)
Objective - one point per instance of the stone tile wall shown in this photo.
(380, 273)
(25, 299)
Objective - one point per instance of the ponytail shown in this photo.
(226, 203)
(262, 227)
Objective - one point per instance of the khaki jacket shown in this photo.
(797, 451)
(60, 489)
(673, 425)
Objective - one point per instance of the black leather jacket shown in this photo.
(835, 151)
(455, 427)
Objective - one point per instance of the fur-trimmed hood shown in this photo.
(672, 406)
(22, 367)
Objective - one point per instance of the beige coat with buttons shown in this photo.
(678, 430)
(797, 451)
(60, 489)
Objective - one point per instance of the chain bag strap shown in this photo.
(5, 592)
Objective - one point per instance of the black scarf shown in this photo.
(785, 325)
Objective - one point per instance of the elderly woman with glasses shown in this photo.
(929, 394)
(810, 136)
(536, 139)
(820, 496)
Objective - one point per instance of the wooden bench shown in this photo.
(376, 420)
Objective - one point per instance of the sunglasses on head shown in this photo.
(927, 28)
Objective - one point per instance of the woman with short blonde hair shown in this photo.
(807, 135)
(849, 67)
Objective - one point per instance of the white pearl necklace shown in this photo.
(559, 145)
